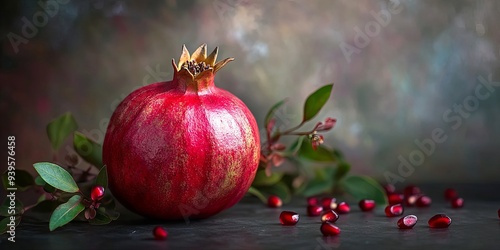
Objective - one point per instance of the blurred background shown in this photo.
(402, 69)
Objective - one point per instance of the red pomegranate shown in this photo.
(182, 148)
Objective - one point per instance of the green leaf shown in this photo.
(23, 180)
(39, 181)
(338, 154)
(56, 176)
(364, 187)
(321, 154)
(101, 218)
(60, 128)
(41, 198)
(315, 187)
(341, 171)
(49, 189)
(89, 150)
(280, 189)
(108, 202)
(294, 147)
(46, 187)
(4, 208)
(3, 224)
(261, 179)
(111, 213)
(325, 173)
(321, 183)
(102, 177)
(316, 101)
(271, 112)
(66, 212)
(255, 192)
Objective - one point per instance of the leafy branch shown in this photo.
(318, 169)
(69, 192)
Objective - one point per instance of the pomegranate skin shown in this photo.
(181, 149)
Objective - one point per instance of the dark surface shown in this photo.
(251, 225)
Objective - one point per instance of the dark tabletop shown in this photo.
(251, 225)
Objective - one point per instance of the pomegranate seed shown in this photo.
(499, 213)
(395, 198)
(407, 222)
(160, 233)
(289, 218)
(314, 210)
(330, 216)
(439, 221)
(97, 193)
(450, 193)
(328, 229)
(394, 210)
(312, 201)
(411, 190)
(367, 205)
(423, 201)
(411, 200)
(329, 203)
(343, 208)
(274, 201)
(457, 202)
(389, 188)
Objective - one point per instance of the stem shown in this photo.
(258, 194)
(300, 133)
(29, 207)
(286, 132)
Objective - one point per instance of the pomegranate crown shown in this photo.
(198, 62)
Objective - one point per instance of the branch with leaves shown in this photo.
(318, 168)
(68, 193)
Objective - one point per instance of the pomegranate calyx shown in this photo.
(197, 63)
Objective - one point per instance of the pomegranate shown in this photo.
(274, 201)
(407, 222)
(182, 148)
(289, 218)
(313, 210)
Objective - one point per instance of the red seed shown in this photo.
(330, 216)
(423, 201)
(411, 200)
(366, 205)
(160, 233)
(389, 188)
(314, 210)
(394, 210)
(407, 222)
(499, 213)
(312, 201)
(450, 193)
(395, 198)
(289, 218)
(439, 221)
(97, 193)
(411, 190)
(457, 202)
(343, 208)
(274, 201)
(328, 229)
(329, 203)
